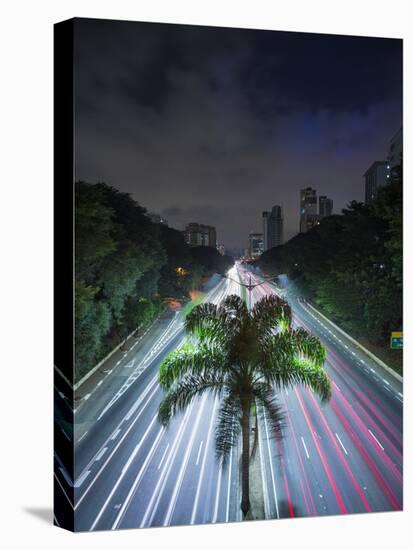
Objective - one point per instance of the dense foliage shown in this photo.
(351, 264)
(125, 268)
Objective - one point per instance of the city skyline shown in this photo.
(208, 385)
(240, 118)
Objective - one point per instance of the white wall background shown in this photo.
(26, 270)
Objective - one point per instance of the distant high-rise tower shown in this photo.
(325, 206)
(376, 176)
(197, 234)
(308, 209)
(265, 230)
(256, 246)
(272, 227)
(395, 156)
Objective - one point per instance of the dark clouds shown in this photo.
(216, 125)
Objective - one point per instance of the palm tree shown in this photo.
(241, 356)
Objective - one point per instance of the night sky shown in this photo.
(216, 125)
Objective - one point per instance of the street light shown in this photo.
(250, 286)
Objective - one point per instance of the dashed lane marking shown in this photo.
(341, 443)
(376, 440)
(100, 454)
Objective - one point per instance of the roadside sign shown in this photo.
(396, 340)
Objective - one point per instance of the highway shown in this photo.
(341, 457)
(130, 471)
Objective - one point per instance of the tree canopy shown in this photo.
(125, 267)
(351, 264)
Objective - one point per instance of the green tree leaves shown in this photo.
(351, 264)
(125, 266)
(241, 357)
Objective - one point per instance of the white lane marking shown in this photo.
(341, 443)
(336, 386)
(101, 453)
(131, 411)
(271, 466)
(115, 434)
(353, 353)
(229, 486)
(115, 448)
(217, 494)
(135, 406)
(201, 474)
(100, 383)
(400, 394)
(81, 437)
(82, 478)
(346, 346)
(86, 397)
(124, 470)
(362, 361)
(64, 492)
(66, 476)
(305, 447)
(138, 478)
(376, 440)
(385, 381)
(138, 371)
(386, 388)
(182, 470)
(263, 475)
(165, 472)
(397, 397)
(65, 434)
(372, 370)
(163, 457)
(199, 452)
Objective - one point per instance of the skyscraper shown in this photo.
(395, 156)
(308, 209)
(197, 234)
(376, 176)
(265, 229)
(325, 206)
(272, 227)
(256, 245)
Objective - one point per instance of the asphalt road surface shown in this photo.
(336, 458)
(341, 457)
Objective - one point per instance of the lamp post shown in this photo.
(250, 286)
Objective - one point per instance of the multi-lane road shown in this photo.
(344, 456)
(341, 457)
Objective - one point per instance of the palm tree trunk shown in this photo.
(245, 464)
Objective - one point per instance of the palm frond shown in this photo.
(263, 393)
(309, 346)
(203, 321)
(181, 393)
(271, 313)
(228, 426)
(191, 359)
(235, 306)
(286, 371)
(210, 323)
